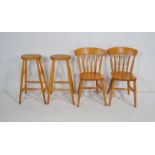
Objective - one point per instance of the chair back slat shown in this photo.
(90, 59)
(128, 63)
(79, 64)
(111, 63)
(96, 63)
(119, 62)
(83, 63)
(122, 59)
(91, 63)
(124, 62)
(100, 65)
(115, 56)
(132, 65)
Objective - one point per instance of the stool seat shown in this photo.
(31, 56)
(60, 57)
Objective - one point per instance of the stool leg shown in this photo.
(41, 82)
(51, 80)
(70, 81)
(25, 76)
(43, 75)
(21, 82)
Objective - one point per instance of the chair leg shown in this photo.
(111, 91)
(41, 81)
(97, 86)
(21, 82)
(51, 81)
(104, 92)
(80, 91)
(109, 87)
(43, 75)
(25, 77)
(135, 94)
(70, 81)
(128, 86)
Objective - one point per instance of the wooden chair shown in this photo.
(122, 63)
(42, 81)
(90, 65)
(66, 59)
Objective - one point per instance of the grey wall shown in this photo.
(13, 45)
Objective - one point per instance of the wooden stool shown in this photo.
(24, 81)
(55, 58)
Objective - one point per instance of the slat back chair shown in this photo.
(122, 61)
(90, 62)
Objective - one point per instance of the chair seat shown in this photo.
(31, 56)
(91, 76)
(123, 76)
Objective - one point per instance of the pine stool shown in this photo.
(55, 58)
(24, 81)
